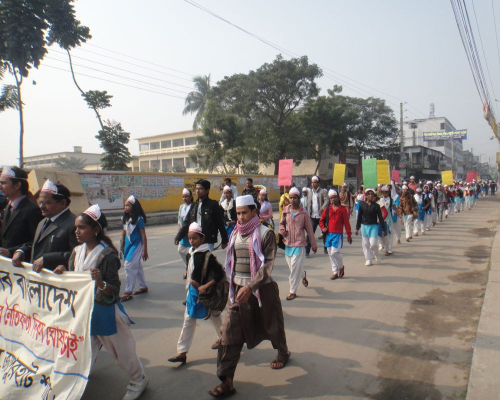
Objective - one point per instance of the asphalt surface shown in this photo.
(403, 329)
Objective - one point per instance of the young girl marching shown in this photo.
(229, 210)
(134, 246)
(184, 245)
(266, 208)
(294, 225)
(109, 325)
(199, 254)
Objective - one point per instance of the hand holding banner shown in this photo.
(285, 172)
(45, 343)
(339, 174)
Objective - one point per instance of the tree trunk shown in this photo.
(317, 166)
(19, 82)
(80, 89)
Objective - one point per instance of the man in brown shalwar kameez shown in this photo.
(254, 309)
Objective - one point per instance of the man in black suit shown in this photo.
(21, 216)
(55, 235)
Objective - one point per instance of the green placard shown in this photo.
(370, 173)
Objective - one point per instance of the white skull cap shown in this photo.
(184, 191)
(195, 227)
(49, 187)
(384, 188)
(246, 200)
(294, 190)
(8, 172)
(332, 192)
(227, 188)
(404, 187)
(314, 178)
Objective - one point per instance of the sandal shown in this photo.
(291, 296)
(178, 359)
(280, 361)
(305, 282)
(141, 290)
(126, 296)
(184, 276)
(334, 276)
(222, 390)
(341, 272)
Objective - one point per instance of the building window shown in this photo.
(442, 126)
(155, 165)
(154, 145)
(144, 147)
(178, 161)
(177, 142)
(165, 144)
(144, 165)
(166, 165)
(190, 141)
(190, 164)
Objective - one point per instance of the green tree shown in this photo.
(71, 163)
(196, 101)
(268, 100)
(114, 142)
(27, 27)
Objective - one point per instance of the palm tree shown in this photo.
(8, 96)
(196, 100)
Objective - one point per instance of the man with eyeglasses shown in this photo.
(55, 235)
(21, 216)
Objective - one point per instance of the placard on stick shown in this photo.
(369, 172)
(285, 172)
(447, 177)
(339, 174)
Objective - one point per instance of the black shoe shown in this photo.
(325, 251)
(184, 303)
(307, 254)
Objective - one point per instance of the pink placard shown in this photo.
(471, 176)
(395, 175)
(285, 172)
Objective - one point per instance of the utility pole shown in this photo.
(401, 133)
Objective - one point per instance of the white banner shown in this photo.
(45, 344)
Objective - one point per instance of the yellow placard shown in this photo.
(447, 177)
(383, 175)
(339, 174)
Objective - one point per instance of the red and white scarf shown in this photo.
(251, 228)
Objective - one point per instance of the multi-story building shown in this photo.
(91, 161)
(452, 149)
(168, 150)
(424, 162)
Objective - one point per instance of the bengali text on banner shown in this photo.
(45, 344)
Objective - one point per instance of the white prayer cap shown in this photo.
(369, 190)
(344, 184)
(445, 185)
(304, 189)
(419, 189)
(228, 188)
(194, 227)
(404, 187)
(263, 191)
(184, 191)
(332, 192)
(131, 200)
(294, 190)
(429, 182)
(49, 187)
(93, 212)
(405, 183)
(438, 185)
(314, 178)
(384, 188)
(246, 200)
(412, 177)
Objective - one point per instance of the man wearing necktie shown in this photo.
(21, 216)
(55, 235)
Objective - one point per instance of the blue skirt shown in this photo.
(334, 240)
(103, 319)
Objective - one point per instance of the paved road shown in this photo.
(403, 329)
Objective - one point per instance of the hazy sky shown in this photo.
(409, 50)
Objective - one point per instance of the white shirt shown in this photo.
(418, 198)
(315, 205)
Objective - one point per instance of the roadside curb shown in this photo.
(485, 366)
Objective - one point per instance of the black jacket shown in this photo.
(55, 244)
(368, 215)
(20, 227)
(108, 264)
(214, 269)
(212, 221)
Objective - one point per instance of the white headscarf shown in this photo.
(84, 262)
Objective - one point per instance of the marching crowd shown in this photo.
(237, 295)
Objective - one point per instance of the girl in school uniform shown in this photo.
(134, 246)
(109, 325)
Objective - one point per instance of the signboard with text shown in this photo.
(450, 135)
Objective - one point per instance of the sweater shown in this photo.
(337, 219)
(296, 228)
